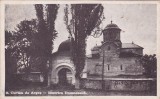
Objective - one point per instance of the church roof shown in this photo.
(130, 45)
(65, 45)
(112, 26)
(124, 45)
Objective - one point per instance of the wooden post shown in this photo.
(103, 82)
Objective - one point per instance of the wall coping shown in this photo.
(122, 78)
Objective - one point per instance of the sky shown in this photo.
(137, 21)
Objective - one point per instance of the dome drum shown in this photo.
(111, 32)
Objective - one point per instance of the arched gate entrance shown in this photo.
(65, 75)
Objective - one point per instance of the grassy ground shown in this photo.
(24, 88)
(38, 90)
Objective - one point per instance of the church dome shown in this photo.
(65, 45)
(112, 26)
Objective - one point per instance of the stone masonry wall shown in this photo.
(115, 66)
(121, 85)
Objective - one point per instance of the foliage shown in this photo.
(46, 27)
(25, 34)
(149, 63)
(18, 44)
(46, 33)
(10, 59)
(18, 50)
(31, 42)
(84, 19)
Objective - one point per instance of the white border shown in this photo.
(2, 51)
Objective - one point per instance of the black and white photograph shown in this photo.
(80, 49)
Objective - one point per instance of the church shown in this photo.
(112, 58)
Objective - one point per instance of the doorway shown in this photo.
(65, 77)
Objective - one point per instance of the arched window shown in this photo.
(109, 47)
(121, 67)
(108, 66)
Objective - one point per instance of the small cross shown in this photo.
(132, 42)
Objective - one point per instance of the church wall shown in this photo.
(133, 50)
(91, 65)
(115, 66)
(110, 50)
(123, 66)
(32, 77)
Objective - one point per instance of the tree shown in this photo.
(46, 34)
(149, 63)
(10, 60)
(25, 34)
(85, 18)
(19, 51)
(18, 43)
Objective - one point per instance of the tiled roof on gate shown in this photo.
(95, 48)
(130, 45)
(65, 45)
